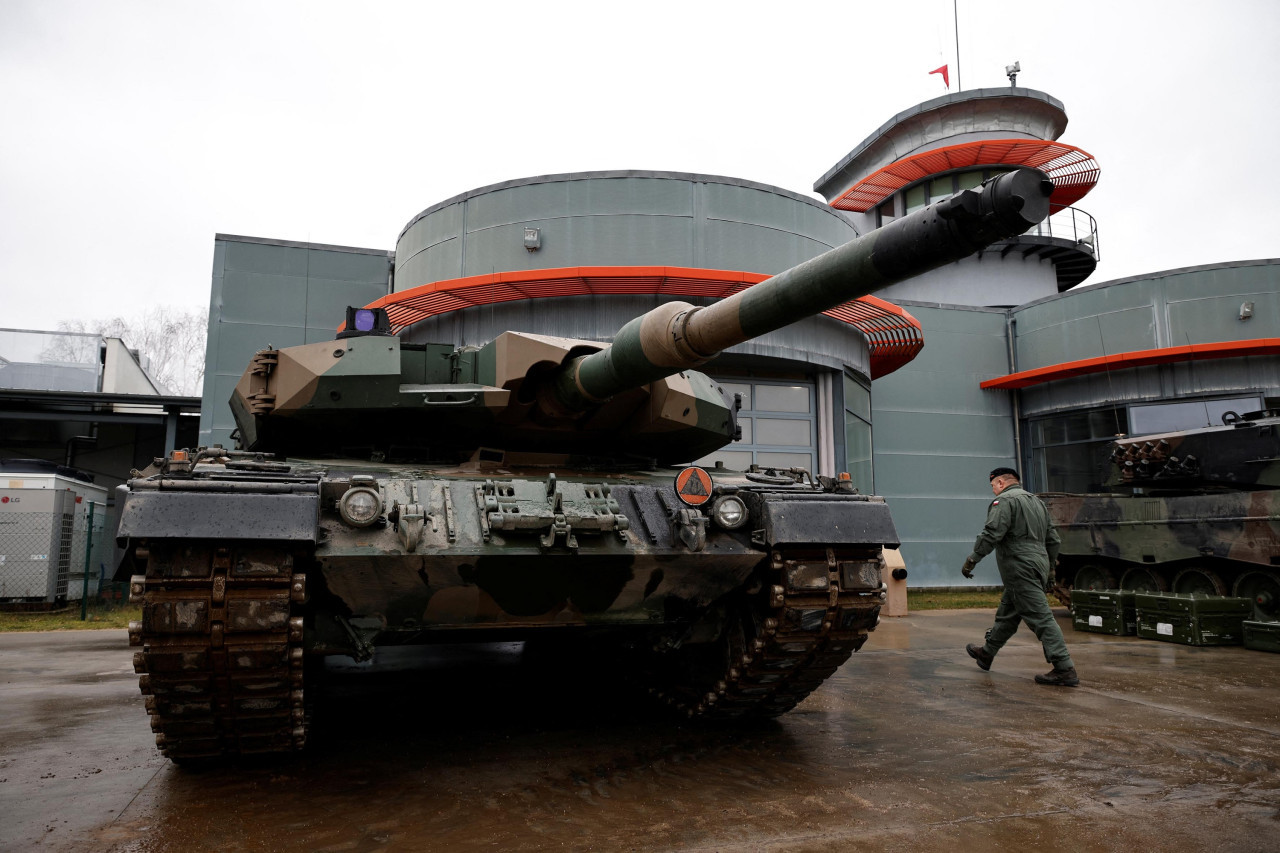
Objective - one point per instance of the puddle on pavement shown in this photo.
(487, 748)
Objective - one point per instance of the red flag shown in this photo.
(943, 71)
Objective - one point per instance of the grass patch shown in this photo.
(69, 619)
(946, 599)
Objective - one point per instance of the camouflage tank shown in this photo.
(1189, 511)
(388, 493)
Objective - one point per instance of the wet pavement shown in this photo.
(908, 747)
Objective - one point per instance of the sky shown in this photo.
(133, 132)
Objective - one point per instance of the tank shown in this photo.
(1194, 511)
(387, 493)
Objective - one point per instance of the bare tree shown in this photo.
(169, 342)
(70, 345)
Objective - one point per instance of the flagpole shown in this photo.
(956, 11)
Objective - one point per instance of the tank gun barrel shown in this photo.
(676, 335)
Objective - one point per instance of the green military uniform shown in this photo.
(1018, 529)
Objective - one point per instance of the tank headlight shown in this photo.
(360, 506)
(729, 512)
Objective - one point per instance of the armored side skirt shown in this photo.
(164, 514)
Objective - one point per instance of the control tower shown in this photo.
(937, 431)
(948, 144)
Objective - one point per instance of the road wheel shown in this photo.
(1198, 580)
(1093, 576)
(759, 653)
(682, 678)
(1264, 589)
(1143, 579)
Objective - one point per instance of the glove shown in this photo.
(969, 563)
(1052, 577)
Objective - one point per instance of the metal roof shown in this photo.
(1072, 170)
(617, 173)
(1137, 358)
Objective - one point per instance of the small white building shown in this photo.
(78, 412)
(51, 519)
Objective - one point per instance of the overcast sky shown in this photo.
(132, 132)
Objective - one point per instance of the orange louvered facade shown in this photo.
(894, 337)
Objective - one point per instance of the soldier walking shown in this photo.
(1018, 529)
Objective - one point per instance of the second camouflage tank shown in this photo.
(1192, 511)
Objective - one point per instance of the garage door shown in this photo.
(779, 427)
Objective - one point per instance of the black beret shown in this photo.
(1001, 472)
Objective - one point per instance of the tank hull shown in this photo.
(1222, 543)
(714, 622)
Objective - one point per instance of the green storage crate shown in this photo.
(1193, 619)
(1262, 636)
(1104, 611)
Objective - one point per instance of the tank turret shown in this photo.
(368, 392)
(1242, 453)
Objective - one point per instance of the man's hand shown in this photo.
(969, 563)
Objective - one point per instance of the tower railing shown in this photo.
(1070, 223)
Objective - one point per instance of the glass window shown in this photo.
(857, 435)
(1072, 467)
(1048, 432)
(885, 212)
(1076, 426)
(775, 416)
(915, 198)
(1167, 417)
(968, 180)
(940, 188)
(775, 459)
(1070, 452)
(782, 398)
(857, 448)
(857, 399)
(1106, 423)
(790, 433)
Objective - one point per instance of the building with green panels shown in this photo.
(276, 293)
(999, 359)
(937, 435)
(1171, 350)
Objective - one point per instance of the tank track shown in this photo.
(221, 660)
(783, 644)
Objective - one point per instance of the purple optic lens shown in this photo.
(364, 320)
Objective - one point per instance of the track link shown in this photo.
(790, 637)
(221, 658)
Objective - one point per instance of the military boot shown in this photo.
(979, 654)
(1059, 677)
